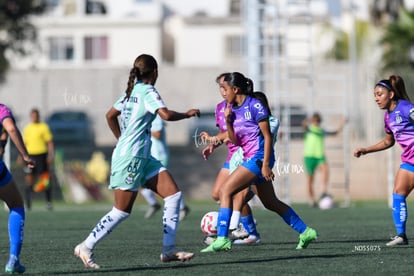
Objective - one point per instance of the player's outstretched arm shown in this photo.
(171, 115)
(384, 144)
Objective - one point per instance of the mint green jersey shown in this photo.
(137, 114)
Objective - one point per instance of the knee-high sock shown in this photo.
(149, 196)
(234, 220)
(399, 212)
(16, 230)
(249, 225)
(105, 226)
(170, 218)
(223, 222)
(294, 221)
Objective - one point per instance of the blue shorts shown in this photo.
(407, 167)
(254, 165)
(226, 165)
(130, 173)
(5, 175)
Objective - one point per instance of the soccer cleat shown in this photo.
(152, 210)
(184, 213)
(176, 255)
(219, 244)
(398, 240)
(238, 233)
(14, 266)
(251, 239)
(306, 238)
(209, 240)
(86, 255)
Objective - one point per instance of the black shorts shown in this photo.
(41, 164)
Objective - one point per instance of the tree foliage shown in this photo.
(341, 46)
(398, 41)
(398, 44)
(16, 30)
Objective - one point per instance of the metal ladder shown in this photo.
(279, 60)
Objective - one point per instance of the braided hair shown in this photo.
(144, 66)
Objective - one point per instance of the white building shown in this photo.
(87, 49)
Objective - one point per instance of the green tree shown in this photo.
(398, 45)
(340, 49)
(398, 41)
(16, 30)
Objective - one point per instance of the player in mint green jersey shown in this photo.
(133, 166)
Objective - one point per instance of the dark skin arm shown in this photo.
(17, 139)
(384, 144)
(165, 114)
(171, 115)
(113, 123)
(266, 170)
(3, 139)
(228, 113)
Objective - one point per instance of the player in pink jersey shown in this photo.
(247, 121)
(240, 206)
(391, 96)
(9, 192)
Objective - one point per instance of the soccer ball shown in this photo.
(209, 223)
(326, 202)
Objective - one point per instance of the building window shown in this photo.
(61, 48)
(235, 46)
(96, 48)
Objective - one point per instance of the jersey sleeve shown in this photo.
(153, 100)
(157, 124)
(118, 104)
(5, 112)
(47, 133)
(259, 112)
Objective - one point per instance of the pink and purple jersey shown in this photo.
(4, 113)
(398, 123)
(246, 126)
(221, 124)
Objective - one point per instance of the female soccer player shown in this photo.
(9, 192)
(247, 123)
(240, 206)
(391, 96)
(132, 165)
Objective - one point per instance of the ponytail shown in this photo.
(131, 82)
(398, 87)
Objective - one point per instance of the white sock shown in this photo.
(170, 218)
(149, 196)
(105, 226)
(234, 220)
(182, 205)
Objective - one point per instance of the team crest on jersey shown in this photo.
(398, 118)
(130, 179)
(247, 115)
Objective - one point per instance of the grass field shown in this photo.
(351, 242)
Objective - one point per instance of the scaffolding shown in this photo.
(279, 39)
